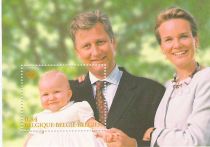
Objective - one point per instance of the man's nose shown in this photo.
(95, 50)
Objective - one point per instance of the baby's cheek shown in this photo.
(59, 95)
(63, 97)
(44, 103)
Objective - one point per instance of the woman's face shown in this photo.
(177, 42)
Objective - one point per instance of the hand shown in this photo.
(80, 78)
(121, 139)
(92, 123)
(147, 134)
(106, 135)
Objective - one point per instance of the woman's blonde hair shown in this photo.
(174, 13)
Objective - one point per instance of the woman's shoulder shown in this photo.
(202, 77)
(168, 83)
(203, 74)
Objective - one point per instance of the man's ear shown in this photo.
(77, 52)
(114, 45)
(114, 42)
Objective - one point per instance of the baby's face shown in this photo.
(55, 93)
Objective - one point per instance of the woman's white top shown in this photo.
(184, 119)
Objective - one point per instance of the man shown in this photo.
(131, 101)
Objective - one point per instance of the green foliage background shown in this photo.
(36, 32)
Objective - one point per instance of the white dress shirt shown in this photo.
(110, 89)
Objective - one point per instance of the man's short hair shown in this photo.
(88, 20)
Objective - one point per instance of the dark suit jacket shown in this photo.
(133, 107)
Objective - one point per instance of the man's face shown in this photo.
(94, 46)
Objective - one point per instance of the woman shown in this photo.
(183, 116)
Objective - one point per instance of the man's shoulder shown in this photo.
(149, 83)
(76, 87)
(76, 83)
(73, 82)
(142, 81)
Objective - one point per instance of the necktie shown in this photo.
(101, 102)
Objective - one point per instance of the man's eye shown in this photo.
(167, 40)
(100, 42)
(86, 46)
(184, 36)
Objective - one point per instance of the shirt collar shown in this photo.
(113, 77)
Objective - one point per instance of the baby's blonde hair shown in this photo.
(54, 74)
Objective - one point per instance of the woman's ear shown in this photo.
(162, 50)
(197, 42)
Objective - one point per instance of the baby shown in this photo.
(60, 122)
